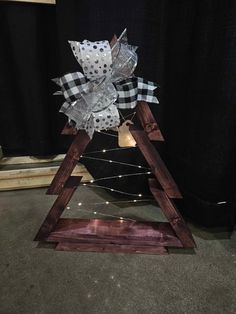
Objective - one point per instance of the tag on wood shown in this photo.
(125, 138)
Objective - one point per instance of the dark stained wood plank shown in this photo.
(58, 208)
(69, 130)
(110, 248)
(155, 162)
(98, 231)
(67, 166)
(113, 40)
(172, 214)
(148, 121)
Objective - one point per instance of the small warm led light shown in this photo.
(140, 166)
(84, 184)
(110, 160)
(79, 204)
(140, 195)
(81, 156)
(121, 218)
(149, 172)
(135, 201)
(68, 207)
(103, 150)
(95, 213)
(112, 190)
(107, 202)
(120, 176)
(91, 181)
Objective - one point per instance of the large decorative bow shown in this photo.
(92, 99)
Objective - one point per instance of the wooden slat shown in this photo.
(110, 248)
(172, 214)
(155, 162)
(5, 161)
(58, 208)
(69, 130)
(73, 155)
(148, 121)
(35, 177)
(98, 231)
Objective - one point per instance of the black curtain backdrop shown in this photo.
(187, 47)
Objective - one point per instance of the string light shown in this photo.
(107, 150)
(107, 215)
(115, 162)
(114, 190)
(116, 202)
(85, 155)
(120, 176)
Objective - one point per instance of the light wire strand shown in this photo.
(115, 202)
(108, 150)
(121, 176)
(115, 162)
(113, 190)
(108, 215)
(107, 133)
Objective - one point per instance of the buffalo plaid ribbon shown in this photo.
(129, 90)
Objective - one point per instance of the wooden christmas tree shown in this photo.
(97, 91)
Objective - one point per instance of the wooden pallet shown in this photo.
(117, 236)
(28, 172)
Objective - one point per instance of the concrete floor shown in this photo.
(41, 280)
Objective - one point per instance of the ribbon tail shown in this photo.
(146, 91)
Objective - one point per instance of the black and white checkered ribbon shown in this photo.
(129, 91)
(134, 89)
(72, 85)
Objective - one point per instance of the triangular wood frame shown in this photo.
(117, 235)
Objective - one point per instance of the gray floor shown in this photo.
(41, 280)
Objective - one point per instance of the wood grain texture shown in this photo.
(69, 130)
(148, 121)
(155, 162)
(36, 177)
(67, 166)
(98, 231)
(58, 208)
(110, 248)
(172, 214)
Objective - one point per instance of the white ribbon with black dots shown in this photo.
(92, 99)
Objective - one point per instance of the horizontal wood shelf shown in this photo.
(117, 232)
(110, 248)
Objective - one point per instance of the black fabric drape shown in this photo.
(30, 122)
(187, 47)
